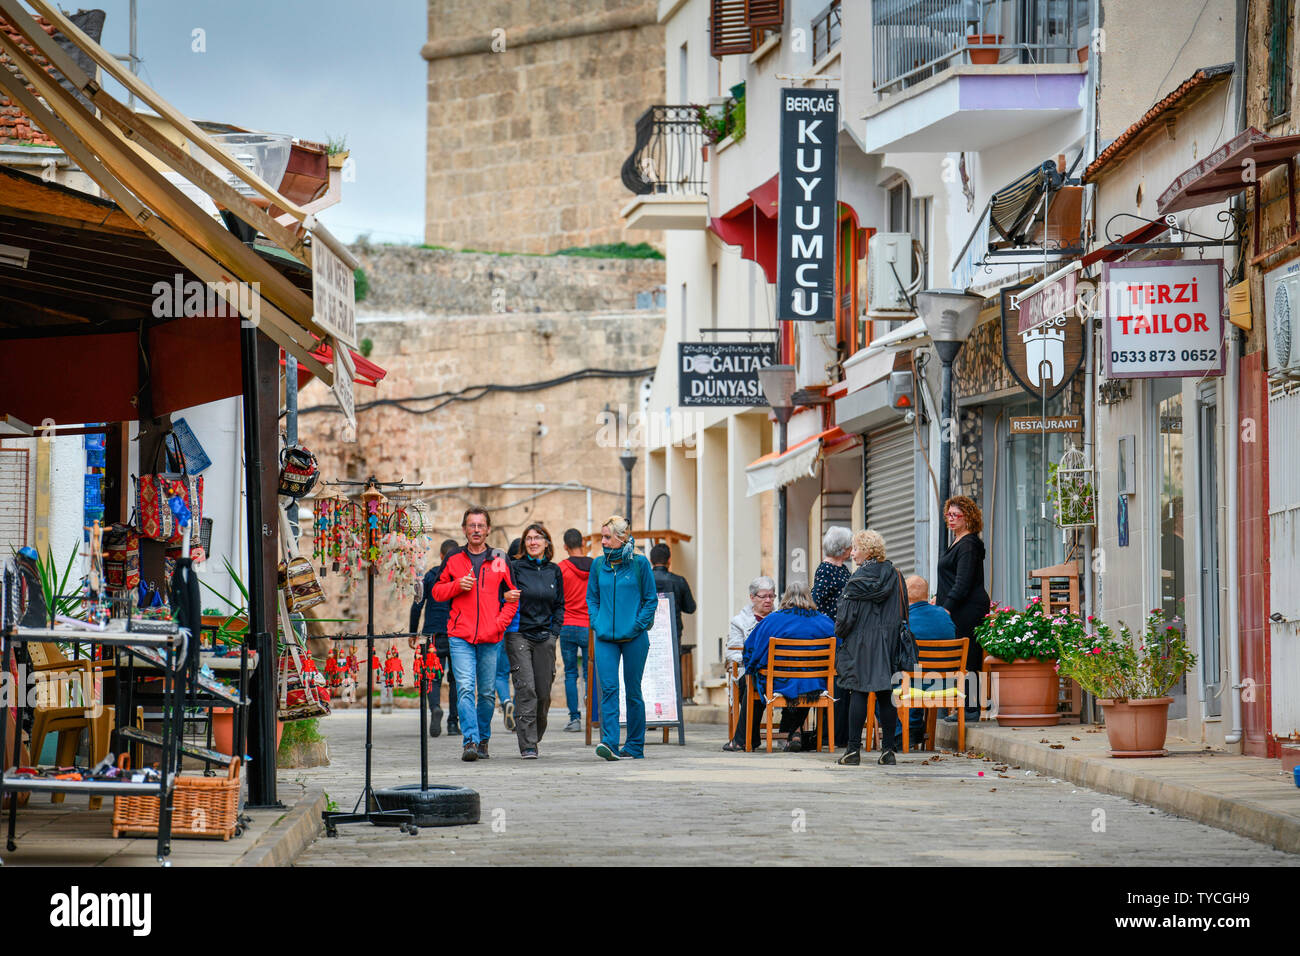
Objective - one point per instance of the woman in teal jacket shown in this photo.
(622, 601)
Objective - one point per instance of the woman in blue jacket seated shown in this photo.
(798, 619)
(621, 602)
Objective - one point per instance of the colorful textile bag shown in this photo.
(154, 518)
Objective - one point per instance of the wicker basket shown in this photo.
(204, 807)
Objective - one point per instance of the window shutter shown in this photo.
(1279, 45)
(766, 13)
(729, 29)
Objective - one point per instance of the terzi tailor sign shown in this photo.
(806, 233)
(1164, 318)
(711, 373)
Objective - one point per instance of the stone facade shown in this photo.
(532, 108)
(450, 413)
(408, 280)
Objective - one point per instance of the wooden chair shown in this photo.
(1058, 589)
(55, 669)
(733, 698)
(944, 660)
(788, 658)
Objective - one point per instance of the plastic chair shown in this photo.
(58, 670)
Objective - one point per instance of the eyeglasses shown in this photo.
(534, 537)
(765, 596)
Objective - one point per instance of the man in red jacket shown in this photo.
(573, 635)
(475, 579)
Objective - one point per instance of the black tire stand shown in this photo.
(403, 819)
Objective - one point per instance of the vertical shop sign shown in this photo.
(806, 220)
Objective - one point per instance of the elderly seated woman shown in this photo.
(798, 619)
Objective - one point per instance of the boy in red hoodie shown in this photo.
(475, 580)
(573, 635)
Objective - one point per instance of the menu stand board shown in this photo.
(661, 683)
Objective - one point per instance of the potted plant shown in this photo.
(1023, 647)
(1130, 680)
(983, 47)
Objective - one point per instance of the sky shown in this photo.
(315, 69)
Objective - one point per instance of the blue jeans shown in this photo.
(503, 674)
(475, 666)
(633, 655)
(573, 651)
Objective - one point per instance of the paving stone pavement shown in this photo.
(699, 806)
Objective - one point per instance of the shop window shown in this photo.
(1172, 588)
(1028, 540)
(1281, 14)
(900, 207)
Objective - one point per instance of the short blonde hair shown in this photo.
(618, 525)
(872, 543)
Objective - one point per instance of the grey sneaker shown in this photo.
(574, 726)
(887, 759)
(508, 711)
(529, 754)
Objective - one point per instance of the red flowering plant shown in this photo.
(1009, 634)
(1114, 666)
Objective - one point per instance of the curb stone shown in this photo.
(290, 835)
(1277, 830)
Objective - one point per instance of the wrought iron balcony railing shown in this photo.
(915, 39)
(826, 31)
(668, 158)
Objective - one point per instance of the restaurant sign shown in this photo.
(1043, 359)
(1164, 318)
(722, 375)
(806, 217)
(1033, 425)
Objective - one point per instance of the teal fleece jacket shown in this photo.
(621, 600)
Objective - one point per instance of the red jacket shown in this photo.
(575, 572)
(478, 615)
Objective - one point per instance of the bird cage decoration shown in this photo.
(1073, 486)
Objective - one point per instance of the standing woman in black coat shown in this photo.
(871, 609)
(961, 581)
(532, 647)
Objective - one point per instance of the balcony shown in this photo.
(973, 72)
(826, 32)
(666, 170)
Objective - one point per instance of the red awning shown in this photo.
(78, 378)
(755, 234)
(1147, 232)
(1228, 170)
(368, 373)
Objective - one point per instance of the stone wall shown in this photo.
(448, 420)
(409, 280)
(532, 106)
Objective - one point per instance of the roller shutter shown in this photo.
(891, 498)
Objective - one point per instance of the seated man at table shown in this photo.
(928, 622)
(800, 620)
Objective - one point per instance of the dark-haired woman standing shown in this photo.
(532, 647)
(961, 581)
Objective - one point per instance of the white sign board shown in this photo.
(659, 681)
(344, 372)
(333, 290)
(1164, 318)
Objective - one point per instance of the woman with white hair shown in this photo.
(831, 575)
(762, 598)
(872, 609)
(621, 602)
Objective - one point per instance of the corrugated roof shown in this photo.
(1183, 96)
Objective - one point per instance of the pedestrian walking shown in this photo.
(872, 608)
(621, 601)
(798, 619)
(532, 646)
(504, 698)
(666, 582)
(474, 579)
(960, 589)
(575, 569)
(435, 631)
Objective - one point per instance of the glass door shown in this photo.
(1211, 668)
(1171, 584)
(1027, 540)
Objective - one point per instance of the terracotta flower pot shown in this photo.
(1137, 728)
(223, 729)
(984, 57)
(1027, 691)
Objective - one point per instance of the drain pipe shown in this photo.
(1231, 411)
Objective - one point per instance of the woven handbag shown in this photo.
(298, 471)
(154, 518)
(302, 687)
(297, 579)
(121, 546)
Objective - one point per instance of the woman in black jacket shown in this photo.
(871, 609)
(532, 647)
(961, 581)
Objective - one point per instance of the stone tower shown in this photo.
(532, 107)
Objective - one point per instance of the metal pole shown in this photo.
(628, 509)
(291, 421)
(780, 519)
(947, 427)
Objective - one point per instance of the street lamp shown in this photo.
(949, 316)
(778, 382)
(628, 460)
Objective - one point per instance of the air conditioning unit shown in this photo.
(890, 271)
(1282, 315)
